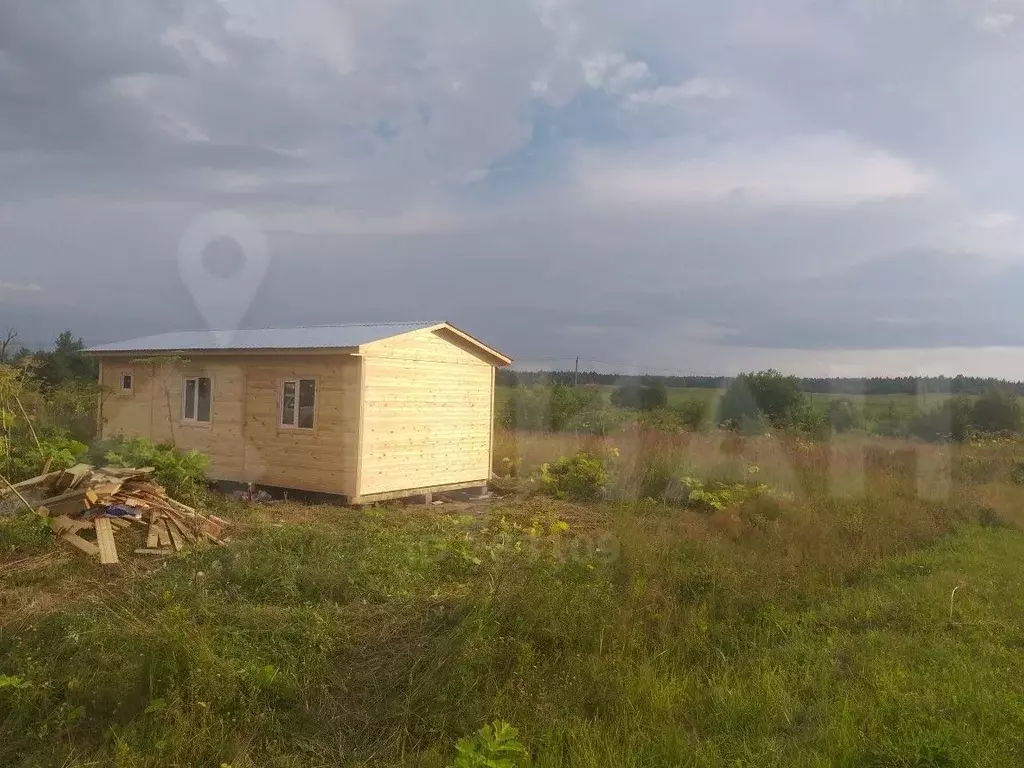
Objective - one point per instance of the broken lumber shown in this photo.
(105, 540)
(77, 541)
(110, 500)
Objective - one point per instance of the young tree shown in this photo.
(65, 362)
(763, 395)
(843, 415)
(996, 411)
(646, 395)
(8, 345)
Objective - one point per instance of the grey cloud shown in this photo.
(363, 137)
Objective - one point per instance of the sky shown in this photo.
(826, 187)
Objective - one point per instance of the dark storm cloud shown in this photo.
(679, 182)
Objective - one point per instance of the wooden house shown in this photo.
(368, 412)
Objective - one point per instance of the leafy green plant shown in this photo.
(576, 478)
(1017, 473)
(494, 746)
(644, 395)
(557, 408)
(765, 394)
(182, 473)
(24, 533)
(717, 495)
(843, 414)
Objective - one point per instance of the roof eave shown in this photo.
(220, 351)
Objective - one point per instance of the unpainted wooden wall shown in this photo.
(427, 413)
(244, 438)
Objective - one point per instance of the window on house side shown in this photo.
(126, 382)
(298, 403)
(197, 399)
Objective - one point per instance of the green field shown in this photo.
(795, 629)
(871, 405)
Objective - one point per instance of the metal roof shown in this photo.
(307, 337)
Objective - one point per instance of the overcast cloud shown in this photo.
(824, 186)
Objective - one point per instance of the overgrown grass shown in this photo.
(806, 628)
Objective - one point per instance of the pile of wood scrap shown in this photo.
(113, 499)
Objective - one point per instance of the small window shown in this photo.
(196, 399)
(298, 403)
(126, 382)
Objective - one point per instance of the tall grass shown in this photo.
(806, 628)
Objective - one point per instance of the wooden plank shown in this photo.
(77, 541)
(163, 537)
(32, 482)
(79, 494)
(129, 472)
(162, 552)
(153, 537)
(176, 537)
(118, 522)
(107, 489)
(105, 540)
(391, 495)
(62, 523)
(68, 507)
(174, 524)
(73, 476)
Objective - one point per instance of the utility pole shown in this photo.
(576, 376)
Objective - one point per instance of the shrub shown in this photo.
(715, 495)
(891, 423)
(645, 395)
(996, 412)
(663, 419)
(555, 407)
(949, 421)
(26, 459)
(693, 413)
(1017, 473)
(493, 746)
(183, 474)
(24, 533)
(843, 415)
(766, 394)
(577, 478)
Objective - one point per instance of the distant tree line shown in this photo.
(64, 362)
(897, 385)
(754, 403)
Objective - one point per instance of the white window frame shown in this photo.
(297, 381)
(120, 382)
(185, 419)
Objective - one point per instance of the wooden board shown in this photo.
(163, 552)
(77, 541)
(176, 538)
(175, 524)
(107, 489)
(153, 537)
(69, 507)
(72, 477)
(105, 540)
(129, 472)
(30, 483)
(66, 496)
(63, 523)
(163, 537)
